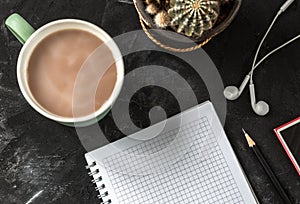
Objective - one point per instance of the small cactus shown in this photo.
(193, 17)
(162, 19)
(151, 9)
(157, 8)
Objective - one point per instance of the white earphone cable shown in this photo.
(260, 44)
(273, 51)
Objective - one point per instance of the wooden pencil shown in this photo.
(267, 169)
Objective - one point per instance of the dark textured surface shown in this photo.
(38, 154)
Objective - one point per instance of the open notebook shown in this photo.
(184, 159)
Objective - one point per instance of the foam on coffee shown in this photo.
(54, 66)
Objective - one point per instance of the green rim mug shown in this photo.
(30, 38)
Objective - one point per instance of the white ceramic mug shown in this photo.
(31, 38)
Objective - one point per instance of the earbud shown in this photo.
(232, 92)
(260, 108)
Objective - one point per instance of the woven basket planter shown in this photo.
(228, 11)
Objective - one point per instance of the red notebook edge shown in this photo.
(284, 145)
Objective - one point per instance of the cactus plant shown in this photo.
(157, 8)
(162, 19)
(193, 17)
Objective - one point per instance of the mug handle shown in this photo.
(19, 27)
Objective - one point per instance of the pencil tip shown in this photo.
(244, 131)
(250, 141)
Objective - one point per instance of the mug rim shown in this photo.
(101, 34)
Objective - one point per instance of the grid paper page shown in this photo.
(203, 170)
(190, 180)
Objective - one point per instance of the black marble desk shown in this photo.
(37, 154)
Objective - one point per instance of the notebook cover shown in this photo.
(283, 143)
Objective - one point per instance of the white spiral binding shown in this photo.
(96, 180)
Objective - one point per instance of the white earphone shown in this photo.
(232, 92)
